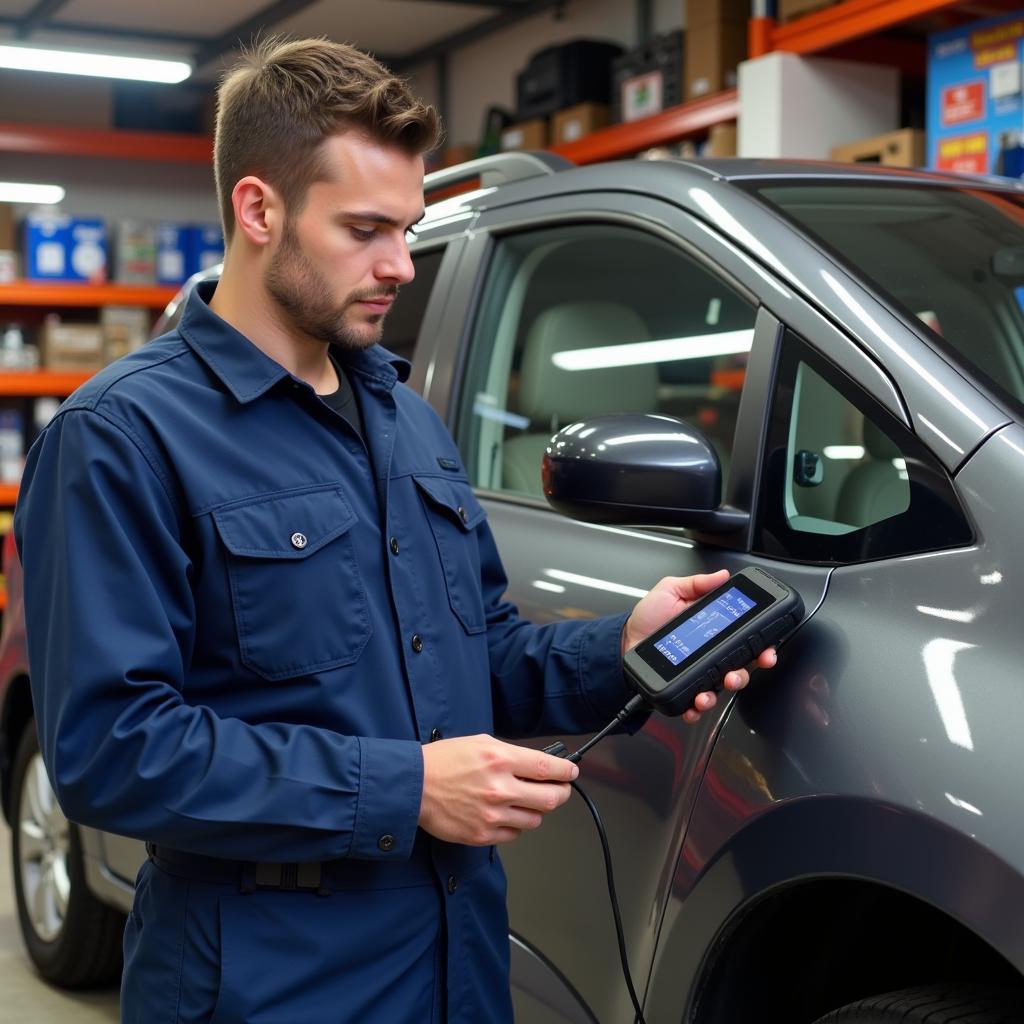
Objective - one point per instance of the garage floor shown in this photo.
(25, 999)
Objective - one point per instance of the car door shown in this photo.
(582, 273)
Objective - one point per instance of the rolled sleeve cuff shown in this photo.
(390, 795)
(601, 676)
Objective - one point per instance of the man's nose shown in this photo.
(397, 265)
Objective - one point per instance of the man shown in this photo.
(265, 614)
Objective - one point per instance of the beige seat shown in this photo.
(874, 490)
(556, 397)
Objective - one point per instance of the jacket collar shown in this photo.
(245, 370)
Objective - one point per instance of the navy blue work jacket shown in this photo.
(243, 624)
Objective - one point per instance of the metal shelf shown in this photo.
(52, 293)
(59, 140)
(833, 26)
(37, 383)
(688, 119)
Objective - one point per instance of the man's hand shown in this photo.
(671, 596)
(478, 790)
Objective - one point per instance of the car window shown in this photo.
(844, 481)
(587, 319)
(953, 258)
(402, 325)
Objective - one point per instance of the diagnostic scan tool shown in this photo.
(723, 631)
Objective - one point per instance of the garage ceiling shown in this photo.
(400, 32)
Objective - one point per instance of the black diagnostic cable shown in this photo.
(559, 750)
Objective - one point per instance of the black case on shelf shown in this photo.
(563, 75)
(662, 53)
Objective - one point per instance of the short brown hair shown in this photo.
(284, 97)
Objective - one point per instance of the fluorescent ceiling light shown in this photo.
(15, 192)
(96, 65)
(667, 350)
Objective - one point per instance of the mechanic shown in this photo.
(265, 611)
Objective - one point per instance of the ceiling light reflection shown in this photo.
(939, 655)
(594, 583)
(664, 350)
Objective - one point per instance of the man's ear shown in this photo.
(258, 209)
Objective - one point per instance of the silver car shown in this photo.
(844, 840)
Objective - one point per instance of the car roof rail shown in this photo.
(499, 169)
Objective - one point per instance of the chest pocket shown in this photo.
(454, 513)
(298, 598)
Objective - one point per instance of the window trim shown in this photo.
(773, 537)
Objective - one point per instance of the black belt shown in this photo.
(247, 876)
(321, 877)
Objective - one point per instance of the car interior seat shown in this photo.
(876, 489)
(555, 397)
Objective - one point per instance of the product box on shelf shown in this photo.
(572, 124)
(716, 42)
(124, 329)
(790, 9)
(133, 245)
(721, 140)
(526, 135)
(901, 148)
(12, 446)
(71, 346)
(648, 79)
(10, 265)
(172, 242)
(61, 248)
(975, 117)
(205, 248)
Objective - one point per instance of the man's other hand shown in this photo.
(478, 790)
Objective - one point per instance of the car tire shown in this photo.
(934, 1004)
(73, 939)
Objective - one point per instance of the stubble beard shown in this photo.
(301, 291)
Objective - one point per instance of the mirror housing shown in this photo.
(637, 470)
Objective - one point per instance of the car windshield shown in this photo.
(952, 257)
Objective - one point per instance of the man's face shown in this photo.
(339, 263)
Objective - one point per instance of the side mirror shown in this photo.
(637, 470)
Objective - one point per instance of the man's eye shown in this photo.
(364, 234)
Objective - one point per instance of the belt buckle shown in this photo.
(290, 877)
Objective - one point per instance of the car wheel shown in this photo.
(73, 939)
(934, 1004)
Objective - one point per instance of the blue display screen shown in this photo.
(693, 633)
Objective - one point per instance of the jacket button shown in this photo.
(299, 541)
(386, 843)
(462, 514)
(435, 735)
(417, 642)
(453, 883)
(394, 545)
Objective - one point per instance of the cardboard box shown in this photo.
(901, 148)
(713, 51)
(65, 248)
(124, 328)
(975, 108)
(575, 122)
(30, 98)
(134, 252)
(531, 134)
(458, 155)
(721, 140)
(8, 228)
(790, 9)
(71, 346)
